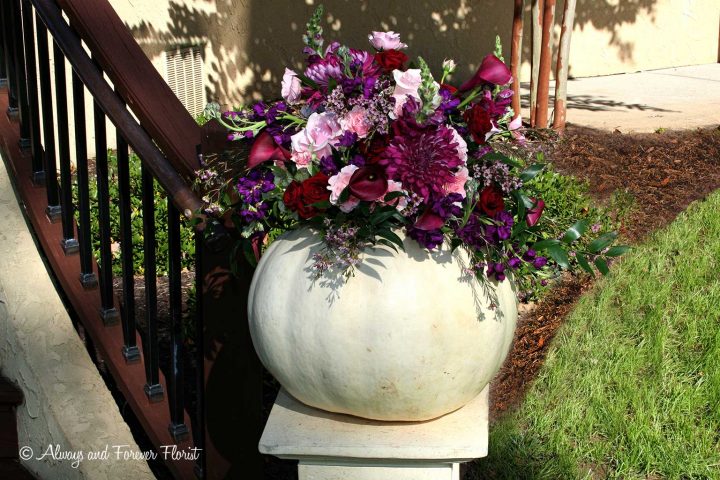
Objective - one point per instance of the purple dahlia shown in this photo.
(423, 158)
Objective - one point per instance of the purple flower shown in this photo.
(514, 262)
(539, 262)
(529, 255)
(426, 238)
(448, 206)
(328, 166)
(347, 139)
(254, 184)
(422, 158)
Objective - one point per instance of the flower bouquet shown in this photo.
(368, 151)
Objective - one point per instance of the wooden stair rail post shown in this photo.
(563, 67)
(543, 90)
(536, 23)
(515, 54)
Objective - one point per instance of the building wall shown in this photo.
(247, 43)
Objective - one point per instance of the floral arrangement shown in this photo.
(366, 145)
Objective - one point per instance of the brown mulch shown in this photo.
(663, 172)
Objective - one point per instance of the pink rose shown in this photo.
(406, 85)
(290, 86)
(461, 144)
(338, 182)
(400, 202)
(457, 185)
(356, 121)
(386, 41)
(319, 134)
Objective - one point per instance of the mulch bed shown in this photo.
(663, 172)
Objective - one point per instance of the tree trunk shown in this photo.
(543, 89)
(516, 54)
(563, 66)
(536, 22)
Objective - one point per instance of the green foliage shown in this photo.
(631, 385)
(187, 244)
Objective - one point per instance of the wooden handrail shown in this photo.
(136, 79)
(137, 136)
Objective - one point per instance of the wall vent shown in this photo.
(184, 74)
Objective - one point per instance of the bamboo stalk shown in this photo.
(515, 54)
(543, 89)
(563, 66)
(536, 23)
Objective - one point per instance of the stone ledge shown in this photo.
(66, 401)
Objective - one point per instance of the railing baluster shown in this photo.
(7, 39)
(130, 350)
(108, 312)
(19, 61)
(198, 425)
(176, 397)
(38, 170)
(153, 389)
(51, 184)
(88, 279)
(69, 242)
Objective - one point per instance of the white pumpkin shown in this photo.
(410, 337)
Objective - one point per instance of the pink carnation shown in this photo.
(356, 121)
(457, 184)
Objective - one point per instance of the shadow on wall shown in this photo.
(250, 42)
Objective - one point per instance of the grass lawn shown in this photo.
(631, 386)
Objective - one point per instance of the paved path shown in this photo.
(672, 98)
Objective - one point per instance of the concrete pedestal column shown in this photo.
(331, 446)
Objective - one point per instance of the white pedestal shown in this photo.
(332, 446)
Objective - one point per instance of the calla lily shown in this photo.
(369, 183)
(265, 148)
(429, 221)
(492, 70)
(533, 214)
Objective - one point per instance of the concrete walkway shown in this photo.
(672, 98)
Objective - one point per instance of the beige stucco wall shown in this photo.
(249, 42)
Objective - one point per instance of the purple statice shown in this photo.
(336, 102)
(423, 158)
(252, 186)
(429, 239)
(378, 105)
(497, 173)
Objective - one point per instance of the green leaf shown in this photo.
(379, 218)
(601, 242)
(602, 265)
(575, 232)
(387, 243)
(249, 253)
(393, 195)
(389, 235)
(531, 172)
(307, 81)
(584, 264)
(545, 244)
(344, 195)
(617, 250)
(324, 205)
(560, 256)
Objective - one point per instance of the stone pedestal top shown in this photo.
(297, 431)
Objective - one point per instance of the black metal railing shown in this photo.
(45, 137)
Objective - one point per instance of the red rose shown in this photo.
(491, 201)
(314, 189)
(299, 197)
(374, 150)
(479, 123)
(390, 60)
